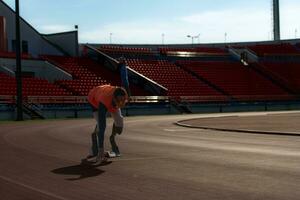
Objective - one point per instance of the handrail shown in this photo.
(148, 99)
(8, 99)
(83, 99)
(194, 54)
(282, 54)
(57, 99)
(146, 78)
(237, 97)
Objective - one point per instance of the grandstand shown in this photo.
(172, 78)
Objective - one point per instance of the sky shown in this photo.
(161, 21)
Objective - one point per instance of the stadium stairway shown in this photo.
(182, 106)
(32, 111)
(215, 87)
(239, 81)
(252, 59)
(275, 79)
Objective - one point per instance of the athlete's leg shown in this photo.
(93, 151)
(94, 137)
(116, 130)
(101, 123)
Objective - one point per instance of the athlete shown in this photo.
(103, 99)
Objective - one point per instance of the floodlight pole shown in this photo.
(189, 36)
(193, 37)
(276, 20)
(18, 64)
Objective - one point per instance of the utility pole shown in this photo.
(18, 64)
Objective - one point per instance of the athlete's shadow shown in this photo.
(83, 170)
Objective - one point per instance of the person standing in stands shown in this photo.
(103, 99)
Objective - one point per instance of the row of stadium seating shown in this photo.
(274, 49)
(128, 52)
(110, 48)
(259, 49)
(31, 87)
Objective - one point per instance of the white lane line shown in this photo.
(140, 158)
(180, 130)
(170, 130)
(32, 188)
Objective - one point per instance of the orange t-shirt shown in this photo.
(103, 94)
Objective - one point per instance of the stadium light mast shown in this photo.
(193, 37)
(110, 38)
(276, 20)
(18, 64)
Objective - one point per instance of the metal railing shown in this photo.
(9, 99)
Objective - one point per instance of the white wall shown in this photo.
(68, 41)
(36, 44)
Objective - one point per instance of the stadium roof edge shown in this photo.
(200, 44)
(60, 33)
